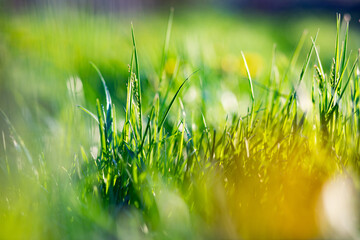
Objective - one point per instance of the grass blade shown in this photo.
(249, 77)
(137, 80)
(107, 93)
(89, 113)
(173, 99)
(305, 66)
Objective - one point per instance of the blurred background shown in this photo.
(45, 43)
(351, 6)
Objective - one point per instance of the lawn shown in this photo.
(196, 124)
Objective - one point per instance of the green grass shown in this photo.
(161, 167)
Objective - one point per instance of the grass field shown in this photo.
(199, 125)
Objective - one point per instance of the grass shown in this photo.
(265, 142)
(168, 172)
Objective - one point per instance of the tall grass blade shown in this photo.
(173, 99)
(306, 64)
(295, 55)
(343, 56)
(337, 46)
(101, 127)
(249, 78)
(89, 113)
(107, 93)
(137, 81)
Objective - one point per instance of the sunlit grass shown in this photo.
(157, 156)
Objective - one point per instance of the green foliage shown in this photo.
(163, 170)
(266, 142)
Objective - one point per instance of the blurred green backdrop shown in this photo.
(45, 71)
